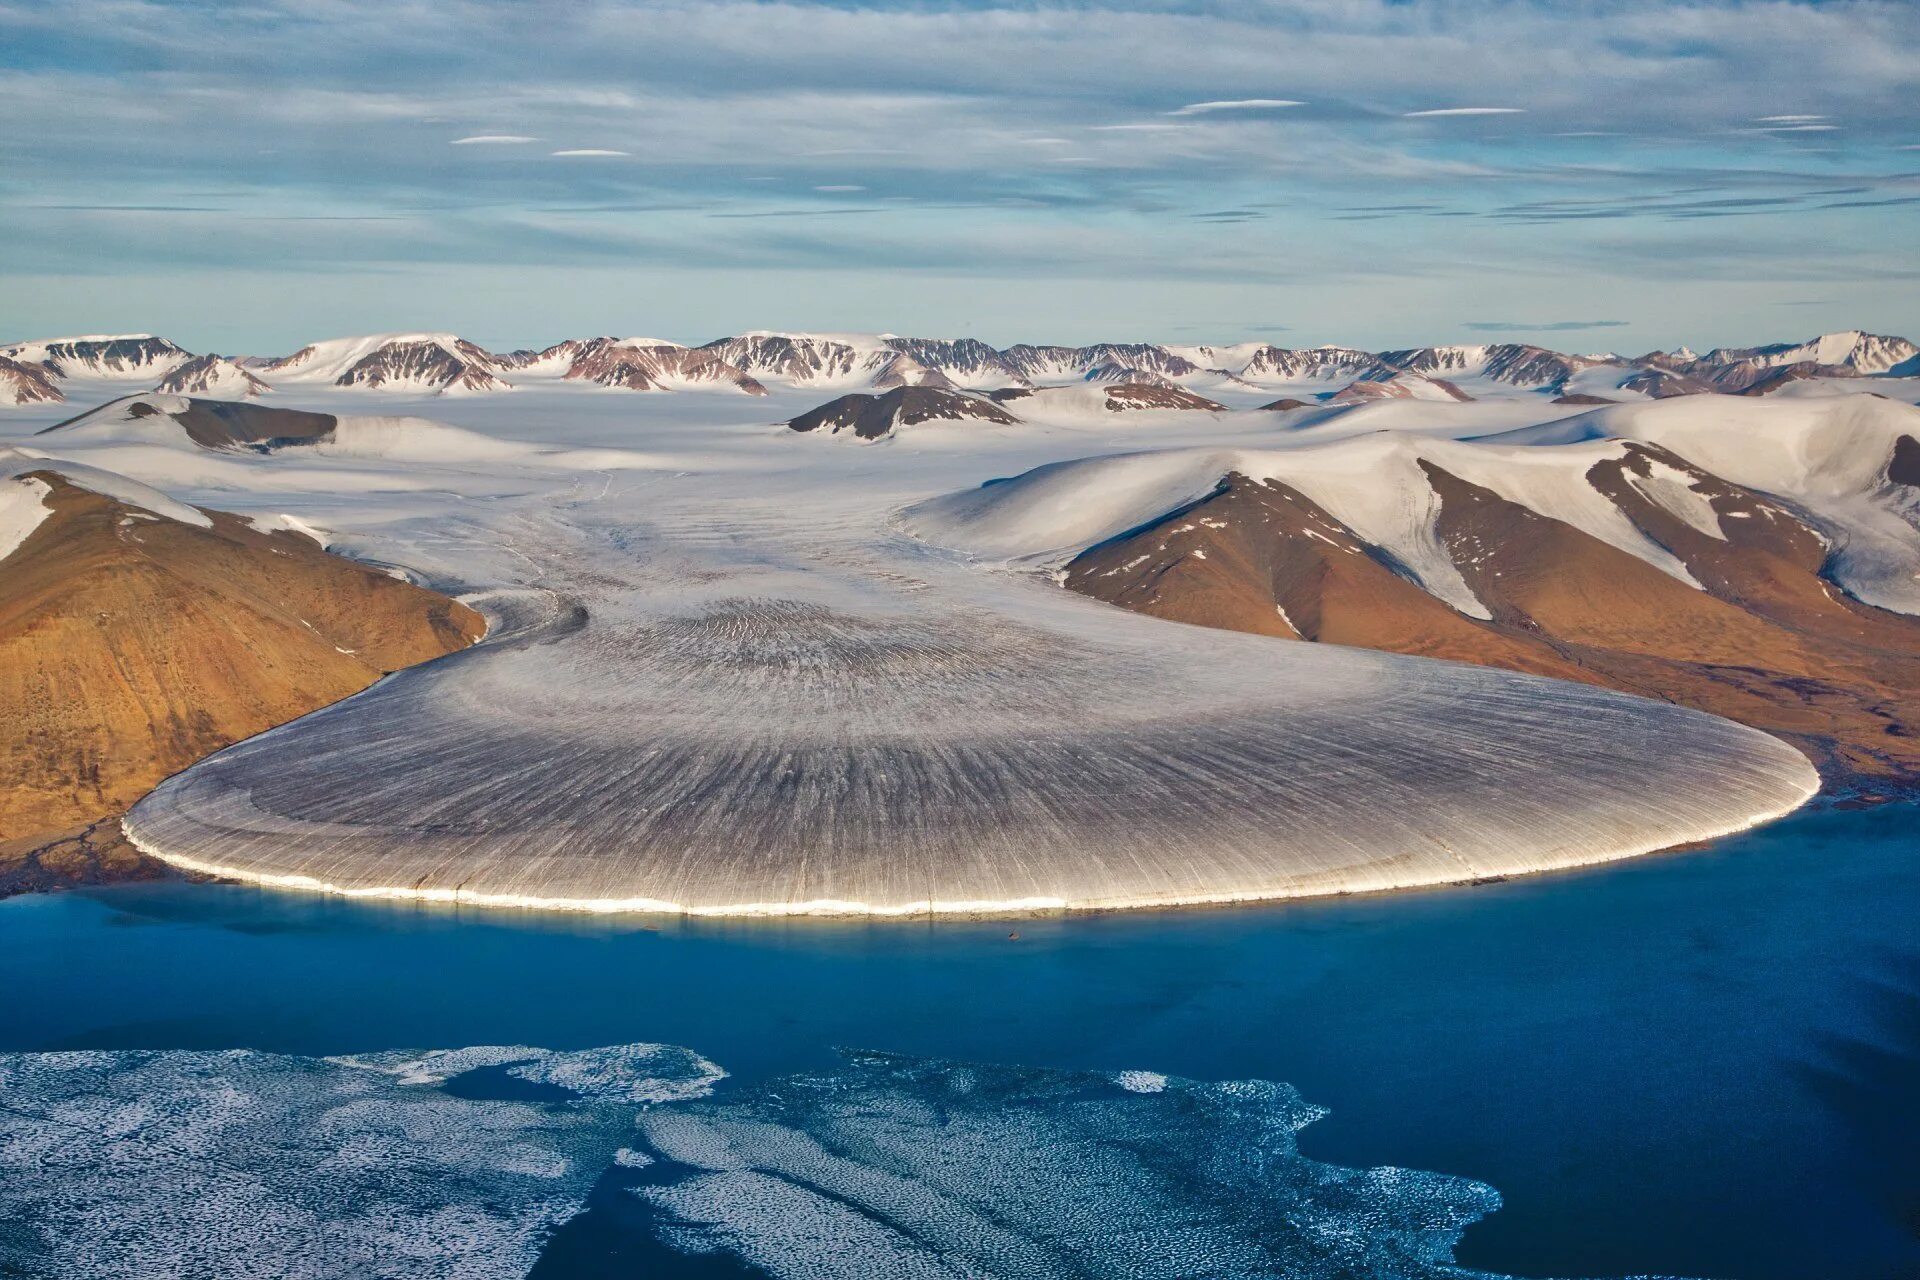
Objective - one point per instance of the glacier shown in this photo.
(725, 677)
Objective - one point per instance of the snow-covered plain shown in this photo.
(727, 674)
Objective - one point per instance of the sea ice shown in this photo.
(912, 1167)
(204, 1166)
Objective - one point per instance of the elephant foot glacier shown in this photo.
(771, 715)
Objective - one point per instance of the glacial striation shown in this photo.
(761, 721)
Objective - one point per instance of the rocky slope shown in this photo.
(641, 365)
(429, 362)
(24, 382)
(112, 356)
(872, 417)
(1752, 558)
(1763, 638)
(1398, 386)
(138, 635)
(215, 376)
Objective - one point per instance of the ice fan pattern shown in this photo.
(761, 714)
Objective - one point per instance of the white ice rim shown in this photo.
(1010, 908)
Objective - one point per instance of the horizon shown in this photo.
(498, 346)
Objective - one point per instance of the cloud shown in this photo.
(1010, 173)
(840, 186)
(1235, 104)
(796, 213)
(1872, 204)
(1547, 326)
(1464, 111)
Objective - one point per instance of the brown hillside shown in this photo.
(1767, 642)
(132, 645)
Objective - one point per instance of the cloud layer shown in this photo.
(1403, 167)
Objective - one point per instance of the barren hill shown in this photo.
(133, 642)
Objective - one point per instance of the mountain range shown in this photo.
(1752, 559)
(39, 371)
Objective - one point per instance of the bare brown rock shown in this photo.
(1765, 639)
(871, 417)
(23, 382)
(132, 645)
(654, 367)
(1122, 396)
(1260, 556)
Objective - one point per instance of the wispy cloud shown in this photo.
(840, 186)
(1235, 104)
(1545, 326)
(1025, 147)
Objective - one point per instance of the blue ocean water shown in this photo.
(1704, 1063)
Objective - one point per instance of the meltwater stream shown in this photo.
(1700, 1064)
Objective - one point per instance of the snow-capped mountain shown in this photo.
(116, 356)
(22, 382)
(554, 360)
(1380, 385)
(966, 362)
(1279, 364)
(216, 376)
(756, 362)
(1231, 357)
(1519, 364)
(437, 362)
(902, 369)
(1114, 371)
(1862, 353)
(804, 359)
(1059, 365)
(1651, 547)
(1662, 384)
(649, 364)
(1046, 364)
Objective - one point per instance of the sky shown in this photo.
(1589, 174)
